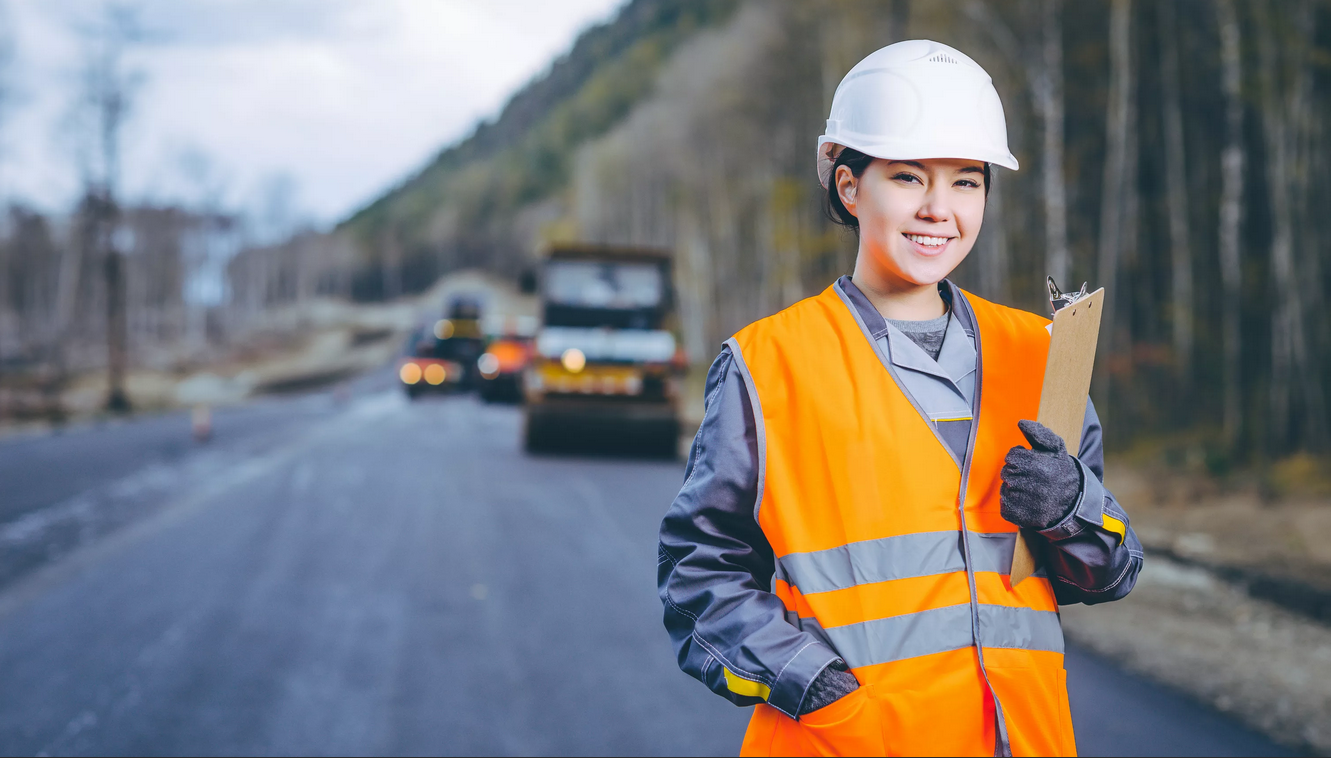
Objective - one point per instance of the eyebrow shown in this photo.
(965, 170)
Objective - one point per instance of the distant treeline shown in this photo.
(1170, 152)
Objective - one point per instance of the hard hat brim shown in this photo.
(829, 148)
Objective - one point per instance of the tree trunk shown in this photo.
(1051, 112)
(1289, 345)
(729, 312)
(117, 329)
(1232, 160)
(1115, 189)
(900, 20)
(1307, 278)
(68, 284)
(1281, 255)
(1181, 302)
(1310, 162)
(994, 264)
(696, 291)
(5, 310)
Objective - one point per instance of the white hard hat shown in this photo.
(915, 100)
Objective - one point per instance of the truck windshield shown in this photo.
(604, 294)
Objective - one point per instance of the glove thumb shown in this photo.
(1041, 437)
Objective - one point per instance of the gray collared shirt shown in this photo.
(943, 389)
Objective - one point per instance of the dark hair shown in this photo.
(857, 162)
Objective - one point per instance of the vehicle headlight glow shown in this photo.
(443, 328)
(488, 363)
(574, 360)
(410, 373)
(435, 374)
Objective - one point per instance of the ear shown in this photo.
(847, 187)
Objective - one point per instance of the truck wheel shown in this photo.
(667, 443)
(535, 438)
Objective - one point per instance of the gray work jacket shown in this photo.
(715, 567)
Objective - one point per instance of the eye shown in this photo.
(968, 183)
(906, 176)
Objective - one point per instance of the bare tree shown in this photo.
(1043, 71)
(994, 260)
(6, 63)
(278, 216)
(1286, 90)
(104, 100)
(209, 182)
(1113, 195)
(1049, 96)
(1232, 160)
(1181, 302)
(900, 20)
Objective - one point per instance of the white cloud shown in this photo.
(346, 96)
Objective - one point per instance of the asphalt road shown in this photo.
(372, 576)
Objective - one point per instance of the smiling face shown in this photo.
(918, 219)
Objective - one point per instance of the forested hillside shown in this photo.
(473, 204)
(1170, 152)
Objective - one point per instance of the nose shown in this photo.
(935, 207)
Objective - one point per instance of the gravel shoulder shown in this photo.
(1181, 625)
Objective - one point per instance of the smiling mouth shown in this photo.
(927, 241)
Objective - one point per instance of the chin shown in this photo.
(932, 272)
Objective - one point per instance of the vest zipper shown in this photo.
(1004, 747)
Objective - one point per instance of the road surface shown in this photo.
(371, 576)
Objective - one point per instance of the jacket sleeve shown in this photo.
(715, 567)
(1093, 555)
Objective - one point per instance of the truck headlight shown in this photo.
(489, 365)
(573, 360)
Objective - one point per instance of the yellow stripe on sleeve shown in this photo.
(746, 687)
(1117, 527)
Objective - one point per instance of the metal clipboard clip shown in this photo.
(1059, 299)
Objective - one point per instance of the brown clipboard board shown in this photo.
(1067, 382)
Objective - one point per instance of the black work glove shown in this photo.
(831, 684)
(1040, 485)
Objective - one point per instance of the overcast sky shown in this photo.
(344, 97)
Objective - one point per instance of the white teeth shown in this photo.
(927, 241)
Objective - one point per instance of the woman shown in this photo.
(838, 554)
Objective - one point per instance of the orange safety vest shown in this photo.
(894, 556)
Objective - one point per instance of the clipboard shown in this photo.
(1067, 381)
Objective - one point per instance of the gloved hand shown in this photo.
(1040, 485)
(831, 684)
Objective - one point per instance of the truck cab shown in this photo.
(607, 366)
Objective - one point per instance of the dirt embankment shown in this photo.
(1234, 602)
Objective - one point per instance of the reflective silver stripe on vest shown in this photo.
(1020, 628)
(938, 630)
(904, 556)
(899, 637)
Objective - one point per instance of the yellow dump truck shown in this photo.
(607, 365)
